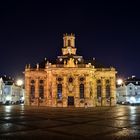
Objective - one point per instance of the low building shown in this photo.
(10, 92)
(129, 91)
(70, 80)
(1, 90)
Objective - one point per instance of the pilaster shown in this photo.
(103, 92)
(113, 92)
(36, 92)
(77, 92)
(64, 92)
(54, 91)
(87, 90)
(94, 91)
(27, 91)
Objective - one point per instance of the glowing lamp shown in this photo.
(19, 82)
(119, 81)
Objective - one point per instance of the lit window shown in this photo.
(41, 91)
(59, 91)
(81, 91)
(99, 91)
(107, 91)
(69, 43)
(32, 91)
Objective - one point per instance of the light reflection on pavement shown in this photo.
(22, 122)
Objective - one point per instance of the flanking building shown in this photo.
(70, 81)
(129, 91)
(10, 92)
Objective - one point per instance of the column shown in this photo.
(77, 92)
(64, 91)
(27, 90)
(87, 90)
(37, 91)
(45, 91)
(103, 92)
(113, 91)
(54, 91)
(94, 92)
(49, 88)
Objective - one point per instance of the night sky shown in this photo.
(108, 31)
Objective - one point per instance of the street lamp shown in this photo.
(19, 82)
(119, 82)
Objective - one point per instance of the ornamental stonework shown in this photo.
(70, 81)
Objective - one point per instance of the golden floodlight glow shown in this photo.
(19, 82)
(119, 81)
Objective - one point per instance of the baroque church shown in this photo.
(70, 81)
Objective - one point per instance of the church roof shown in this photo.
(96, 63)
(60, 61)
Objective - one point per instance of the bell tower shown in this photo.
(69, 44)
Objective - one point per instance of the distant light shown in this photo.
(22, 98)
(132, 100)
(119, 81)
(8, 98)
(19, 82)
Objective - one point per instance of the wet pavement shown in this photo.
(112, 123)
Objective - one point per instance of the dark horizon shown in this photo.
(29, 32)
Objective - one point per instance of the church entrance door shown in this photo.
(70, 101)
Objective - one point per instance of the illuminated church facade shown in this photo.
(70, 81)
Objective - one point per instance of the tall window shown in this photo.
(81, 91)
(99, 91)
(107, 91)
(32, 91)
(59, 91)
(41, 91)
(69, 43)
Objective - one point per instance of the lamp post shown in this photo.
(19, 83)
(119, 82)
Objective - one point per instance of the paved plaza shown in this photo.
(115, 123)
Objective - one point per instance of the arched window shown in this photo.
(99, 91)
(32, 91)
(32, 81)
(81, 91)
(41, 81)
(98, 81)
(107, 82)
(59, 91)
(107, 91)
(41, 91)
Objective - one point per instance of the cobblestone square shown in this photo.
(115, 123)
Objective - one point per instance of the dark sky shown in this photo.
(108, 31)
